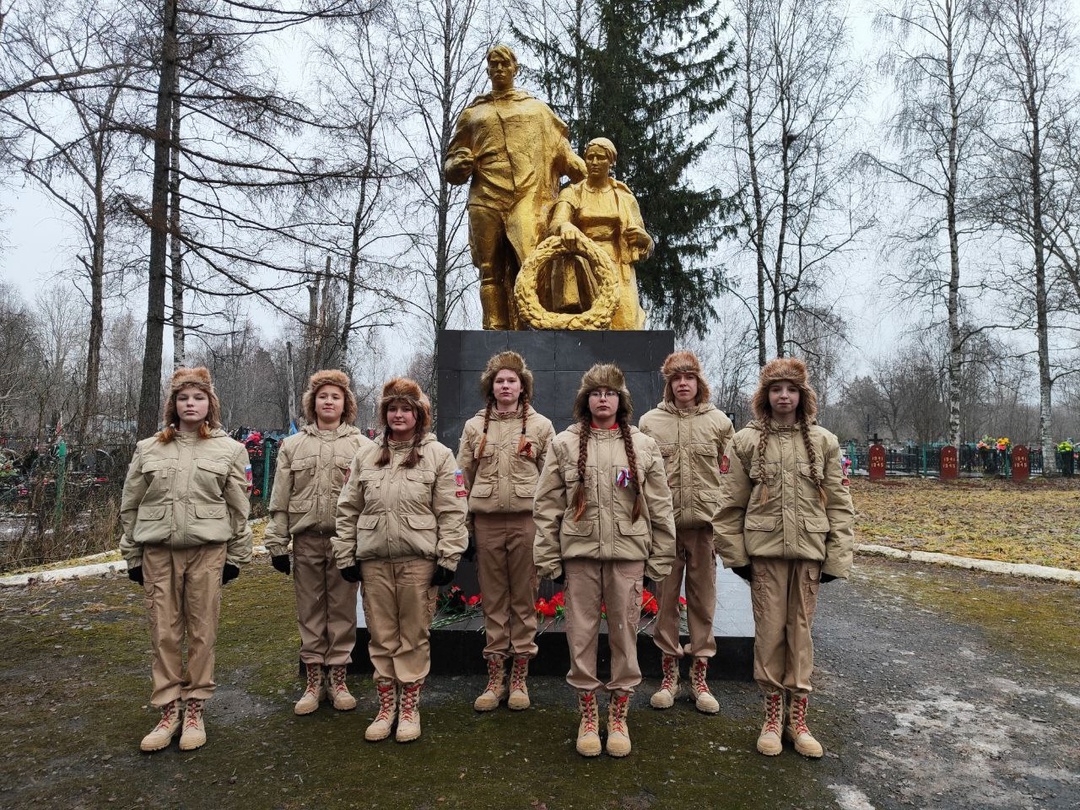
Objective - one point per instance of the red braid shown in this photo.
(631, 458)
(579, 501)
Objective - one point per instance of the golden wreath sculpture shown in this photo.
(527, 287)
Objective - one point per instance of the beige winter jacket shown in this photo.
(605, 530)
(311, 469)
(792, 523)
(186, 493)
(399, 513)
(695, 445)
(502, 479)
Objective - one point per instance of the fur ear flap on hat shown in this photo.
(330, 377)
(794, 371)
(407, 390)
(684, 363)
(197, 377)
(511, 361)
(603, 375)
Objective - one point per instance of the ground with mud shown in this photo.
(936, 688)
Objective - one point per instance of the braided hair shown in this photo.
(524, 400)
(414, 451)
(579, 501)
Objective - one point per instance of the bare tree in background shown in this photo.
(1031, 70)
(443, 63)
(938, 65)
(789, 120)
(79, 166)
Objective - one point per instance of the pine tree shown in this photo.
(650, 76)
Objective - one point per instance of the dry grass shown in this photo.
(1037, 523)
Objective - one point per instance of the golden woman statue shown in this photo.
(604, 210)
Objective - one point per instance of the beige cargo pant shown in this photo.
(504, 566)
(399, 603)
(616, 584)
(695, 557)
(183, 600)
(325, 603)
(784, 598)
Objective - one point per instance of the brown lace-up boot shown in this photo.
(703, 698)
(193, 734)
(768, 742)
(664, 697)
(797, 731)
(495, 691)
(588, 735)
(384, 720)
(313, 691)
(339, 692)
(167, 726)
(519, 692)
(408, 727)
(618, 732)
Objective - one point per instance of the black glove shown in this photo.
(350, 573)
(744, 571)
(470, 550)
(135, 574)
(442, 576)
(281, 563)
(229, 573)
(560, 579)
(827, 577)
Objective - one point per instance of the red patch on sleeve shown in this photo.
(725, 464)
(348, 470)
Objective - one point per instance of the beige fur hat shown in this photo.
(603, 375)
(403, 388)
(512, 361)
(684, 363)
(793, 370)
(330, 377)
(199, 377)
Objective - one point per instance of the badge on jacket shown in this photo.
(248, 477)
(725, 464)
(623, 477)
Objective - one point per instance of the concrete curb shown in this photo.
(79, 571)
(993, 566)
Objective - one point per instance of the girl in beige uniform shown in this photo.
(184, 514)
(311, 468)
(500, 454)
(784, 523)
(400, 533)
(603, 520)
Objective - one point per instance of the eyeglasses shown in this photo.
(603, 393)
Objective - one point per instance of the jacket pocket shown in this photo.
(421, 523)
(152, 512)
(816, 524)
(302, 507)
(481, 490)
(630, 528)
(215, 467)
(525, 490)
(210, 511)
(578, 528)
(421, 476)
(756, 523)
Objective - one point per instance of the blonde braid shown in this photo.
(631, 458)
(384, 455)
(812, 455)
(524, 422)
(414, 451)
(582, 458)
(483, 439)
(762, 444)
